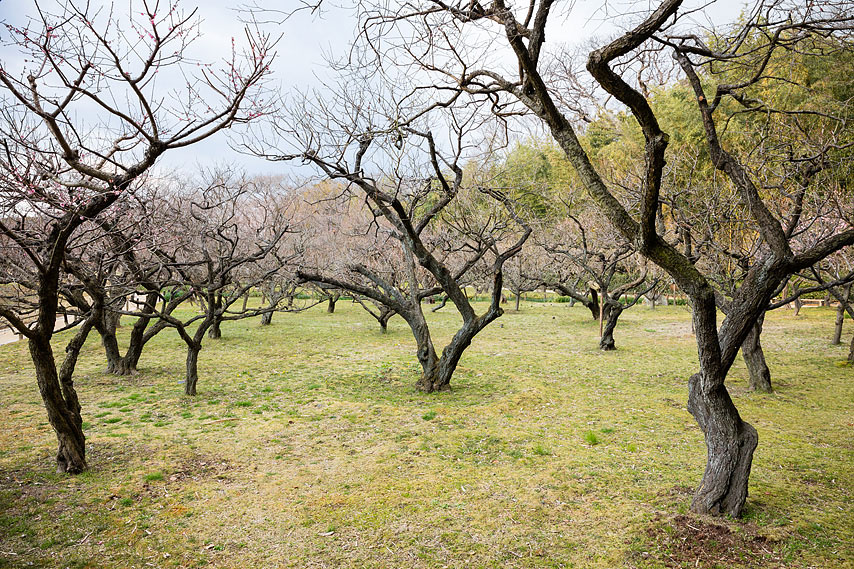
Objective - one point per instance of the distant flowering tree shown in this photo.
(82, 120)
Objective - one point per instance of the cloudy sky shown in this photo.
(308, 38)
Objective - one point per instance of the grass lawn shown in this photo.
(308, 446)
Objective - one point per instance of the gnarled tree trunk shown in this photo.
(754, 357)
(61, 402)
(429, 380)
(612, 311)
(730, 443)
(111, 349)
(215, 332)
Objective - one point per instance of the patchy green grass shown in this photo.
(307, 446)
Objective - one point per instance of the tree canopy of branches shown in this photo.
(534, 84)
(62, 167)
(422, 232)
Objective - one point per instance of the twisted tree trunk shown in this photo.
(754, 357)
(192, 369)
(730, 443)
(429, 380)
(60, 397)
(612, 311)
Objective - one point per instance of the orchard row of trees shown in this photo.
(720, 163)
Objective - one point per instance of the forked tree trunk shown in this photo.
(63, 408)
(611, 315)
(437, 377)
(215, 332)
(385, 316)
(754, 357)
(730, 443)
(330, 307)
(126, 365)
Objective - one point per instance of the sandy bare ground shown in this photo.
(7, 335)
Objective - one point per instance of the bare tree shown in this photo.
(771, 29)
(411, 250)
(607, 267)
(226, 231)
(60, 172)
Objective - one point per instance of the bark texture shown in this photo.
(730, 443)
(192, 370)
(611, 314)
(754, 357)
(63, 409)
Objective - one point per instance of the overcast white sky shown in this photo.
(307, 37)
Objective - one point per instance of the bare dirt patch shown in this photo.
(689, 541)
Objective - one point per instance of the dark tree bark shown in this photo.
(730, 443)
(437, 372)
(611, 314)
(267, 318)
(111, 349)
(844, 304)
(754, 357)
(192, 377)
(60, 400)
(385, 316)
(330, 306)
(215, 332)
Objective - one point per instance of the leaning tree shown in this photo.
(536, 83)
(82, 121)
